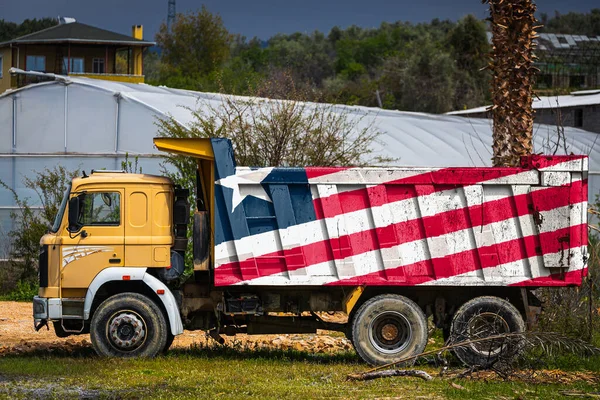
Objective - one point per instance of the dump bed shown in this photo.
(401, 226)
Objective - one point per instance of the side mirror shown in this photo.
(73, 214)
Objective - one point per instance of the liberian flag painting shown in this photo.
(406, 226)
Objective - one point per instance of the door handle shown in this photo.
(114, 260)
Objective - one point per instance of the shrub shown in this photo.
(30, 224)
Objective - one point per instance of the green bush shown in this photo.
(30, 224)
(24, 291)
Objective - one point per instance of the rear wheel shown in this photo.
(483, 317)
(128, 325)
(388, 328)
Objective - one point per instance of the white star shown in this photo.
(246, 183)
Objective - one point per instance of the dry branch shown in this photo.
(390, 372)
(583, 395)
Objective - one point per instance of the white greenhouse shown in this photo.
(91, 124)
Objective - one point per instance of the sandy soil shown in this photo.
(17, 334)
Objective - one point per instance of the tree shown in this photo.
(307, 56)
(573, 23)
(469, 48)
(469, 43)
(152, 66)
(197, 45)
(513, 73)
(11, 30)
(421, 81)
(29, 224)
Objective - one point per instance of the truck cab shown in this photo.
(112, 227)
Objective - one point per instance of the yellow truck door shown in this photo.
(99, 244)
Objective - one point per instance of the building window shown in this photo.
(544, 81)
(576, 81)
(578, 117)
(36, 63)
(98, 66)
(76, 65)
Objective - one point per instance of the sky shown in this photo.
(264, 18)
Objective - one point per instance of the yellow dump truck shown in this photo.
(275, 247)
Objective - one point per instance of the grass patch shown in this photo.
(211, 371)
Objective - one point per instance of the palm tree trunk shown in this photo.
(513, 31)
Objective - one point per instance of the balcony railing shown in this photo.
(110, 77)
(21, 80)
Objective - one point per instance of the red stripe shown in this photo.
(315, 172)
(393, 235)
(468, 261)
(543, 161)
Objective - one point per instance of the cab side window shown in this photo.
(101, 209)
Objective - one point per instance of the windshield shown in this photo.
(61, 210)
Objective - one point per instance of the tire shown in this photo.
(481, 317)
(388, 328)
(170, 338)
(128, 325)
(59, 331)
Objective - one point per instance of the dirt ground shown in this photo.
(17, 335)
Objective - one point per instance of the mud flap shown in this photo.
(201, 240)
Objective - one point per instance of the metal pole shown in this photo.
(66, 116)
(14, 124)
(118, 96)
(14, 149)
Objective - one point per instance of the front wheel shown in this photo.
(388, 328)
(128, 325)
(170, 339)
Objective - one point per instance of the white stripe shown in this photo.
(578, 165)
(369, 176)
(72, 253)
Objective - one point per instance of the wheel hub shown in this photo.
(390, 332)
(126, 330)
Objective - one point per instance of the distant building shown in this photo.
(73, 48)
(580, 109)
(566, 61)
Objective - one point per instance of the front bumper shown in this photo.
(46, 309)
(40, 308)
